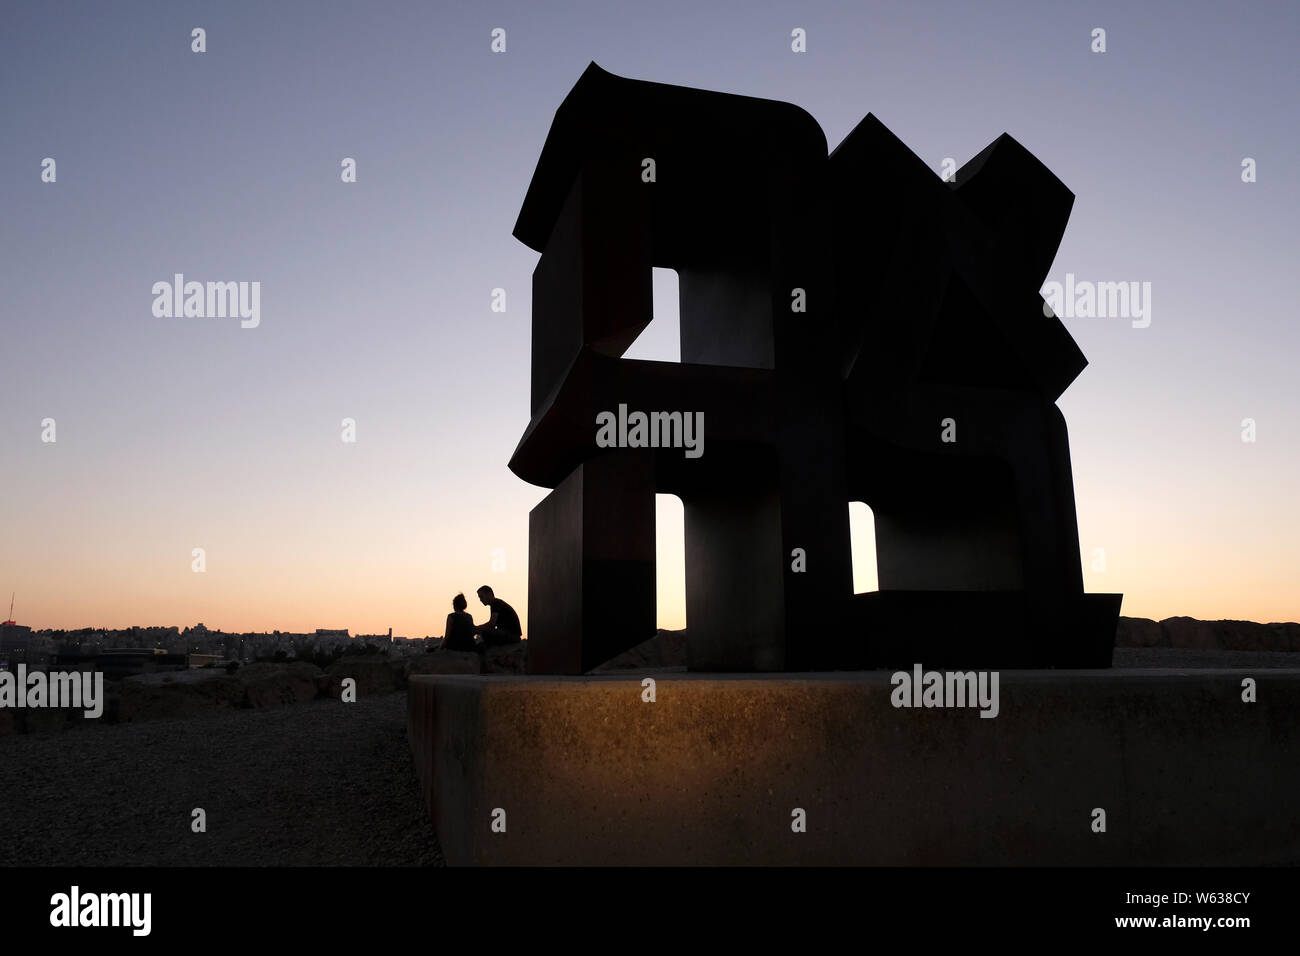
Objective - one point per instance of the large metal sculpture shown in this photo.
(852, 328)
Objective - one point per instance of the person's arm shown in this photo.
(492, 622)
(446, 629)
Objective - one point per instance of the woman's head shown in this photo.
(458, 602)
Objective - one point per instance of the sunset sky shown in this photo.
(183, 433)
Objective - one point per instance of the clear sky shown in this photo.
(183, 433)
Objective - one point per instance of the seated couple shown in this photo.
(502, 628)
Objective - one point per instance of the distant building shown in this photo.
(15, 635)
(380, 640)
(15, 643)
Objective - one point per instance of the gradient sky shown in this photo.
(182, 433)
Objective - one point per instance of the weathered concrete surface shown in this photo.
(588, 773)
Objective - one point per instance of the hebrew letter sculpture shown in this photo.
(852, 328)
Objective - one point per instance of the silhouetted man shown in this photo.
(503, 627)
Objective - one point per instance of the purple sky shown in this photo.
(183, 433)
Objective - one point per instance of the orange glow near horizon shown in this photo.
(299, 574)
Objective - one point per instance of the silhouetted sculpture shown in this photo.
(852, 328)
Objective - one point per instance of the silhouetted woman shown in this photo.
(459, 632)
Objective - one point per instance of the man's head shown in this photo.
(485, 594)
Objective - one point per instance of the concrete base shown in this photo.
(586, 772)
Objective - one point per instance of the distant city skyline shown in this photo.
(374, 298)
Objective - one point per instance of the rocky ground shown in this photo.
(320, 783)
(1193, 634)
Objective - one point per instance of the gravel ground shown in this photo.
(317, 784)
